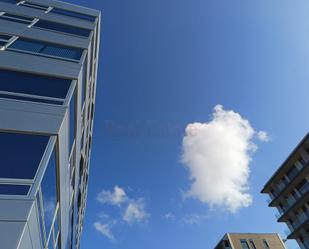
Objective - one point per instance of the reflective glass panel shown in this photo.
(47, 48)
(72, 120)
(21, 154)
(7, 189)
(49, 192)
(62, 28)
(18, 82)
(73, 14)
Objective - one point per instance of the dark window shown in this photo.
(252, 244)
(303, 187)
(73, 14)
(292, 172)
(15, 18)
(49, 192)
(47, 49)
(47, 101)
(18, 82)
(62, 28)
(7, 189)
(8, 1)
(265, 244)
(72, 119)
(244, 244)
(21, 154)
(34, 6)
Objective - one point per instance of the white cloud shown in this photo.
(263, 136)
(135, 212)
(104, 229)
(194, 219)
(217, 155)
(169, 216)
(116, 197)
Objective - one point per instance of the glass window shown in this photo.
(8, 1)
(21, 154)
(47, 49)
(34, 6)
(7, 189)
(252, 244)
(40, 216)
(83, 92)
(73, 14)
(72, 119)
(15, 18)
(18, 82)
(62, 28)
(265, 244)
(244, 244)
(49, 192)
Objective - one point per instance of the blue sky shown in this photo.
(166, 64)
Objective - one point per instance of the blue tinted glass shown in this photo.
(6, 189)
(14, 20)
(21, 154)
(54, 102)
(84, 81)
(49, 192)
(8, 1)
(27, 45)
(5, 37)
(18, 82)
(47, 48)
(40, 219)
(34, 6)
(73, 14)
(61, 51)
(19, 17)
(62, 28)
(72, 120)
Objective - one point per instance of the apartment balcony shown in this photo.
(292, 184)
(287, 209)
(297, 226)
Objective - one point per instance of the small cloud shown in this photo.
(263, 136)
(168, 216)
(217, 154)
(116, 197)
(135, 212)
(194, 219)
(104, 229)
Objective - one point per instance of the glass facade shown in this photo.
(73, 14)
(29, 150)
(62, 28)
(46, 118)
(44, 48)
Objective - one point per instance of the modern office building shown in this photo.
(288, 189)
(251, 241)
(48, 70)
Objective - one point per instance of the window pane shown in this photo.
(252, 244)
(18, 82)
(21, 154)
(43, 235)
(62, 28)
(6, 189)
(244, 244)
(15, 18)
(54, 102)
(49, 192)
(265, 244)
(34, 6)
(8, 1)
(73, 14)
(27, 45)
(47, 48)
(72, 120)
(5, 37)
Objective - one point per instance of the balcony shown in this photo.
(295, 227)
(278, 193)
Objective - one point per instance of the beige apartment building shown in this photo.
(288, 189)
(251, 241)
